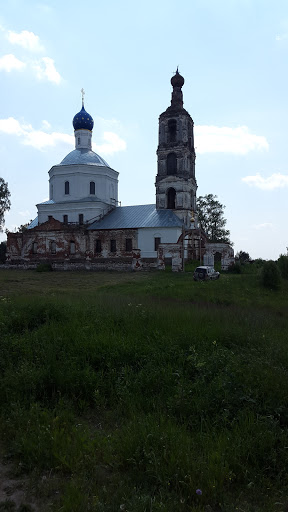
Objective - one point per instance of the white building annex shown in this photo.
(82, 225)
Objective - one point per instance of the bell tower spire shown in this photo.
(175, 181)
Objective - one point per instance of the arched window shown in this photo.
(67, 188)
(157, 242)
(53, 247)
(172, 126)
(72, 247)
(98, 247)
(171, 199)
(92, 188)
(171, 163)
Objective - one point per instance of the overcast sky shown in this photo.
(233, 56)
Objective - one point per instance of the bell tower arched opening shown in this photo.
(172, 129)
(171, 164)
(171, 199)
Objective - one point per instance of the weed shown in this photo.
(135, 392)
(44, 267)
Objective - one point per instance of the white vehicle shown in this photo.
(204, 273)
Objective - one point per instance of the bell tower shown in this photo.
(175, 181)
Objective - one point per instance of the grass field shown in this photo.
(145, 391)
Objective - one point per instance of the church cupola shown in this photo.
(83, 125)
(177, 82)
(175, 181)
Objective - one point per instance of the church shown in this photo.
(83, 225)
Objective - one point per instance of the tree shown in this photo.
(243, 257)
(211, 217)
(23, 227)
(3, 248)
(270, 275)
(4, 201)
(283, 265)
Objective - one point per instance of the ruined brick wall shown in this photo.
(113, 243)
(45, 242)
(55, 242)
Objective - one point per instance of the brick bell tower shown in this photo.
(175, 181)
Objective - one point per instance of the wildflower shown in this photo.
(199, 492)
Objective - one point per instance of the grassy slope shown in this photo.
(134, 390)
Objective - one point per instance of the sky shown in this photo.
(233, 55)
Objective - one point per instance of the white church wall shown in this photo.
(90, 211)
(79, 178)
(146, 238)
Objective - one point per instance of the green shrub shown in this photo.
(3, 249)
(270, 275)
(44, 267)
(235, 268)
(283, 265)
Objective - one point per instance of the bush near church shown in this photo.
(270, 275)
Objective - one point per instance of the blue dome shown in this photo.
(83, 157)
(83, 120)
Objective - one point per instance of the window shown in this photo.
(128, 245)
(172, 126)
(53, 247)
(49, 218)
(81, 219)
(157, 241)
(78, 140)
(65, 219)
(72, 247)
(98, 247)
(171, 163)
(67, 187)
(171, 198)
(34, 247)
(112, 245)
(92, 188)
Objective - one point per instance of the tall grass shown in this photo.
(131, 393)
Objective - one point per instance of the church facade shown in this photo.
(82, 225)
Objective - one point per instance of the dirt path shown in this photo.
(13, 489)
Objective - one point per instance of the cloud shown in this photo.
(265, 225)
(45, 69)
(41, 140)
(46, 125)
(113, 143)
(27, 40)
(25, 214)
(281, 37)
(274, 181)
(10, 126)
(10, 62)
(38, 139)
(215, 139)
